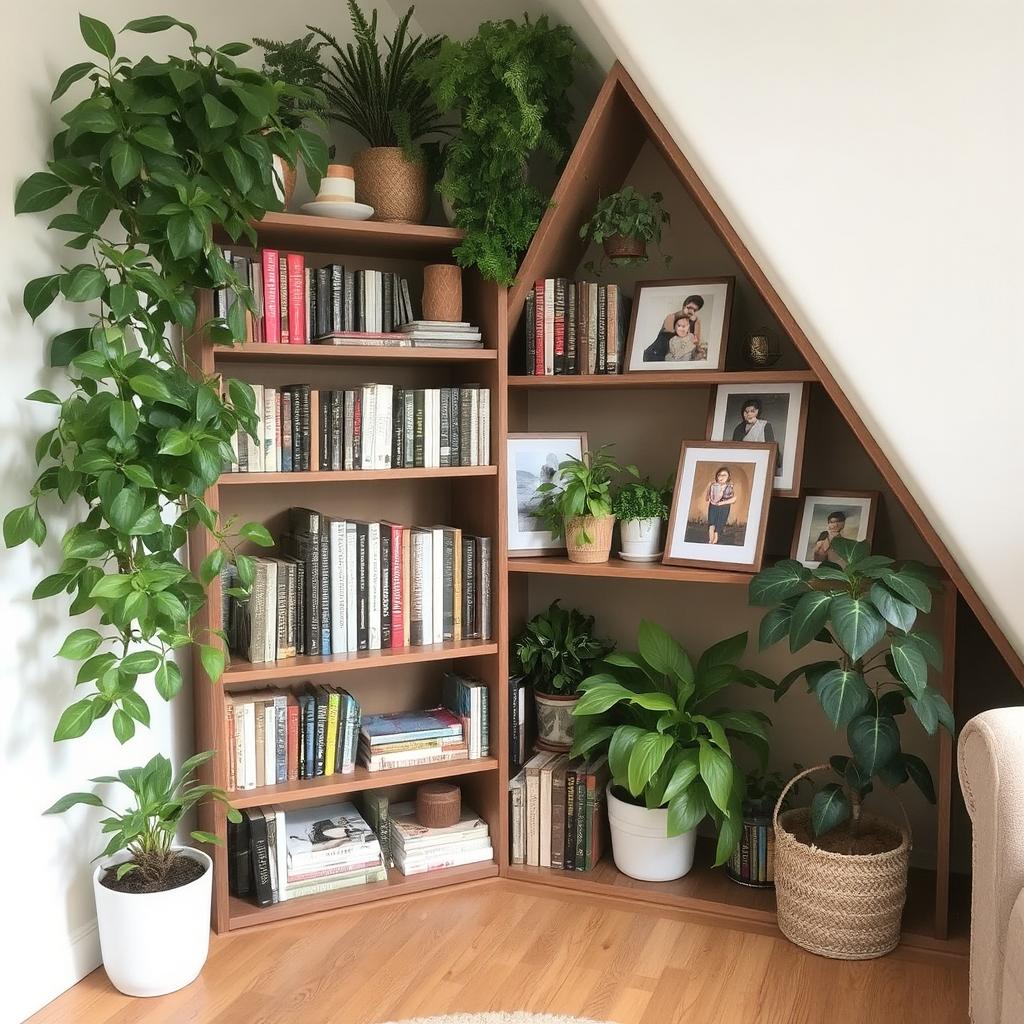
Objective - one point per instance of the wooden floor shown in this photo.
(500, 945)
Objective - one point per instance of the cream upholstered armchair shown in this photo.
(990, 756)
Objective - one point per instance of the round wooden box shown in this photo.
(438, 804)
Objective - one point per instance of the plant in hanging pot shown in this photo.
(669, 752)
(577, 502)
(385, 100)
(624, 223)
(556, 649)
(152, 896)
(640, 509)
(840, 871)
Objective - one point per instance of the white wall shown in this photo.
(48, 912)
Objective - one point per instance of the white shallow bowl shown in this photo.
(656, 557)
(339, 211)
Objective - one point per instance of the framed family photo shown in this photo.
(825, 515)
(533, 460)
(720, 505)
(746, 413)
(679, 325)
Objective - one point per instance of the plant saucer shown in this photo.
(641, 558)
(339, 211)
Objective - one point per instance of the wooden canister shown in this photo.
(442, 292)
(438, 804)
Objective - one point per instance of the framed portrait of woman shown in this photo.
(720, 505)
(679, 325)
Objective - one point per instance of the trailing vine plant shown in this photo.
(171, 150)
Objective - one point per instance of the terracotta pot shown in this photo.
(555, 723)
(442, 292)
(625, 247)
(589, 538)
(393, 185)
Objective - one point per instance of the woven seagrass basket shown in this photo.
(598, 529)
(393, 185)
(625, 247)
(843, 906)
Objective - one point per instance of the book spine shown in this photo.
(293, 742)
(559, 326)
(418, 428)
(296, 263)
(362, 591)
(337, 429)
(538, 330)
(281, 737)
(569, 842)
(324, 543)
(570, 328)
(612, 328)
(484, 588)
(284, 295)
(579, 826)
(385, 586)
(260, 857)
(530, 325)
(602, 329)
(398, 610)
(331, 733)
(445, 458)
(272, 296)
(286, 429)
(549, 326)
(373, 579)
(448, 585)
(297, 428)
(337, 276)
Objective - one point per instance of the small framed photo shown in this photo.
(747, 413)
(533, 459)
(720, 505)
(825, 515)
(679, 325)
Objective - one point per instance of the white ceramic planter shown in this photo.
(555, 723)
(154, 943)
(641, 845)
(641, 538)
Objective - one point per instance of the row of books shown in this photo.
(556, 812)
(574, 327)
(342, 585)
(753, 860)
(302, 428)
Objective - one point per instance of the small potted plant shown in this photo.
(640, 509)
(834, 860)
(670, 755)
(555, 651)
(153, 897)
(577, 502)
(623, 224)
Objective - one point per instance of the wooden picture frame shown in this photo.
(809, 500)
(789, 461)
(686, 542)
(541, 541)
(649, 319)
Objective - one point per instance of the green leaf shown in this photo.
(213, 660)
(217, 115)
(83, 284)
(82, 643)
(922, 777)
(125, 510)
(205, 837)
(44, 396)
(124, 726)
(620, 748)
(75, 721)
(175, 442)
(139, 475)
(778, 582)
(932, 710)
(73, 800)
(725, 652)
(829, 808)
(113, 585)
(20, 525)
(69, 76)
(51, 585)
(809, 617)
(686, 769)
(716, 770)
(687, 810)
(168, 680)
(910, 588)
(67, 345)
(257, 533)
(40, 191)
(910, 665)
(874, 740)
(313, 151)
(140, 662)
(598, 699)
(135, 707)
(729, 831)
(39, 294)
(158, 23)
(97, 36)
(928, 644)
(125, 162)
(858, 626)
(124, 419)
(645, 759)
(146, 385)
(894, 610)
(843, 695)
(155, 137)
(774, 626)
(184, 235)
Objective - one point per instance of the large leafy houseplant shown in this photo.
(668, 745)
(557, 648)
(508, 86)
(866, 609)
(172, 150)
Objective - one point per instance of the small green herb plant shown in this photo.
(865, 606)
(147, 828)
(629, 214)
(668, 745)
(640, 500)
(557, 648)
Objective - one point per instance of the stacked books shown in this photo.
(374, 426)
(278, 736)
(296, 303)
(417, 849)
(574, 327)
(344, 585)
(441, 334)
(753, 860)
(376, 809)
(276, 854)
(402, 739)
(519, 703)
(557, 812)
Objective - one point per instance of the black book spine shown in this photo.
(323, 301)
(313, 588)
(388, 294)
(362, 589)
(580, 824)
(304, 427)
(456, 427)
(469, 624)
(530, 324)
(560, 323)
(337, 296)
(357, 430)
(300, 607)
(325, 429)
(417, 444)
(446, 427)
(513, 725)
(465, 425)
(302, 736)
(570, 328)
(385, 586)
(398, 430)
(296, 445)
(260, 855)
(602, 329)
(321, 731)
(569, 855)
(337, 427)
(448, 585)
(311, 310)
(350, 300)
(285, 439)
(239, 862)
(325, 587)
(409, 429)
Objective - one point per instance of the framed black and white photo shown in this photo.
(679, 325)
(533, 459)
(826, 515)
(720, 505)
(747, 413)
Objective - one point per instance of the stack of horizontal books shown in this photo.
(402, 739)
(441, 334)
(416, 848)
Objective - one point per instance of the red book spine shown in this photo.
(271, 297)
(297, 299)
(397, 605)
(293, 742)
(538, 319)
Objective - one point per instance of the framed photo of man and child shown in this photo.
(826, 515)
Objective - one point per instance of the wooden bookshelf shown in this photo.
(674, 379)
(327, 354)
(351, 476)
(617, 568)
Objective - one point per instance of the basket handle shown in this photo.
(825, 767)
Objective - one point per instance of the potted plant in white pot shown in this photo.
(640, 509)
(153, 896)
(670, 754)
(556, 649)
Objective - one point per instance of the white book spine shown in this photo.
(271, 457)
(485, 428)
(240, 765)
(249, 740)
(270, 742)
(369, 420)
(476, 721)
(474, 427)
(351, 622)
(339, 634)
(410, 759)
(425, 585)
(545, 816)
(270, 634)
(449, 861)
(430, 853)
(437, 584)
(428, 420)
(256, 449)
(348, 440)
(382, 440)
(516, 822)
(282, 855)
(373, 586)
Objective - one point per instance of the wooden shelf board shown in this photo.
(312, 790)
(244, 672)
(262, 353)
(353, 476)
(356, 237)
(675, 379)
(243, 914)
(617, 568)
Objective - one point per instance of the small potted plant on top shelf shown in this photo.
(577, 502)
(670, 755)
(556, 649)
(624, 223)
(640, 508)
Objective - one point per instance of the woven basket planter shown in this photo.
(598, 529)
(394, 186)
(843, 906)
(624, 247)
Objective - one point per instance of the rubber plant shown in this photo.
(866, 608)
(508, 85)
(157, 156)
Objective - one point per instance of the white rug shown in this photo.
(505, 1017)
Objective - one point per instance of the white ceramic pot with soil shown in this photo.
(641, 845)
(555, 722)
(641, 538)
(155, 942)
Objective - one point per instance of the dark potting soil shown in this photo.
(871, 837)
(182, 871)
